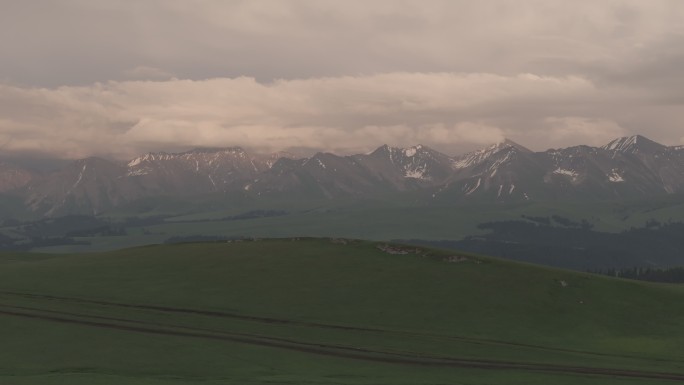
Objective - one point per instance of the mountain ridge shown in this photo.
(627, 167)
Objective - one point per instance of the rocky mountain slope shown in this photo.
(630, 167)
(13, 177)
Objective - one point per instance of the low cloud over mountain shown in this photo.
(81, 78)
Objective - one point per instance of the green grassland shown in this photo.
(322, 311)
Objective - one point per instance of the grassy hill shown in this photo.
(320, 311)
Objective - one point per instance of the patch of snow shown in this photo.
(151, 157)
(321, 163)
(390, 153)
(499, 193)
(510, 190)
(80, 177)
(621, 144)
(497, 163)
(615, 176)
(571, 173)
(211, 180)
(139, 172)
(135, 162)
(479, 156)
(417, 173)
(461, 163)
(477, 185)
(163, 156)
(213, 159)
(526, 197)
(410, 151)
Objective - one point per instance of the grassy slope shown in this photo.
(409, 304)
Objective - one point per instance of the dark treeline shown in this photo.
(253, 214)
(203, 238)
(66, 226)
(558, 220)
(555, 241)
(672, 275)
(72, 229)
(14, 244)
(56, 231)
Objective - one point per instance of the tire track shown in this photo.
(360, 353)
(210, 313)
(195, 329)
(283, 321)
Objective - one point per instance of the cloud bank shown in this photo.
(96, 77)
(342, 114)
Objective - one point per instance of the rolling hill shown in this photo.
(327, 311)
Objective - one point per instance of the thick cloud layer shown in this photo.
(89, 77)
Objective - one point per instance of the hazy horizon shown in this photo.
(117, 79)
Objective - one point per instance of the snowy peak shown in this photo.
(199, 160)
(475, 158)
(423, 163)
(629, 167)
(408, 152)
(149, 157)
(624, 143)
(385, 152)
(507, 143)
(320, 159)
(415, 163)
(633, 144)
(412, 151)
(234, 152)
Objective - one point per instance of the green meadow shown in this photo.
(324, 311)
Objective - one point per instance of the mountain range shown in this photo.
(629, 167)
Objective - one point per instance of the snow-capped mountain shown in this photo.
(417, 162)
(495, 172)
(635, 144)
(630, 167)
(95, 185)
(194, 172)
(387, 169)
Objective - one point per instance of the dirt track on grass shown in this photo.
(283, 321)
(323, 349)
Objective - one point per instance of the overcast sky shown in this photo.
(116, 78)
